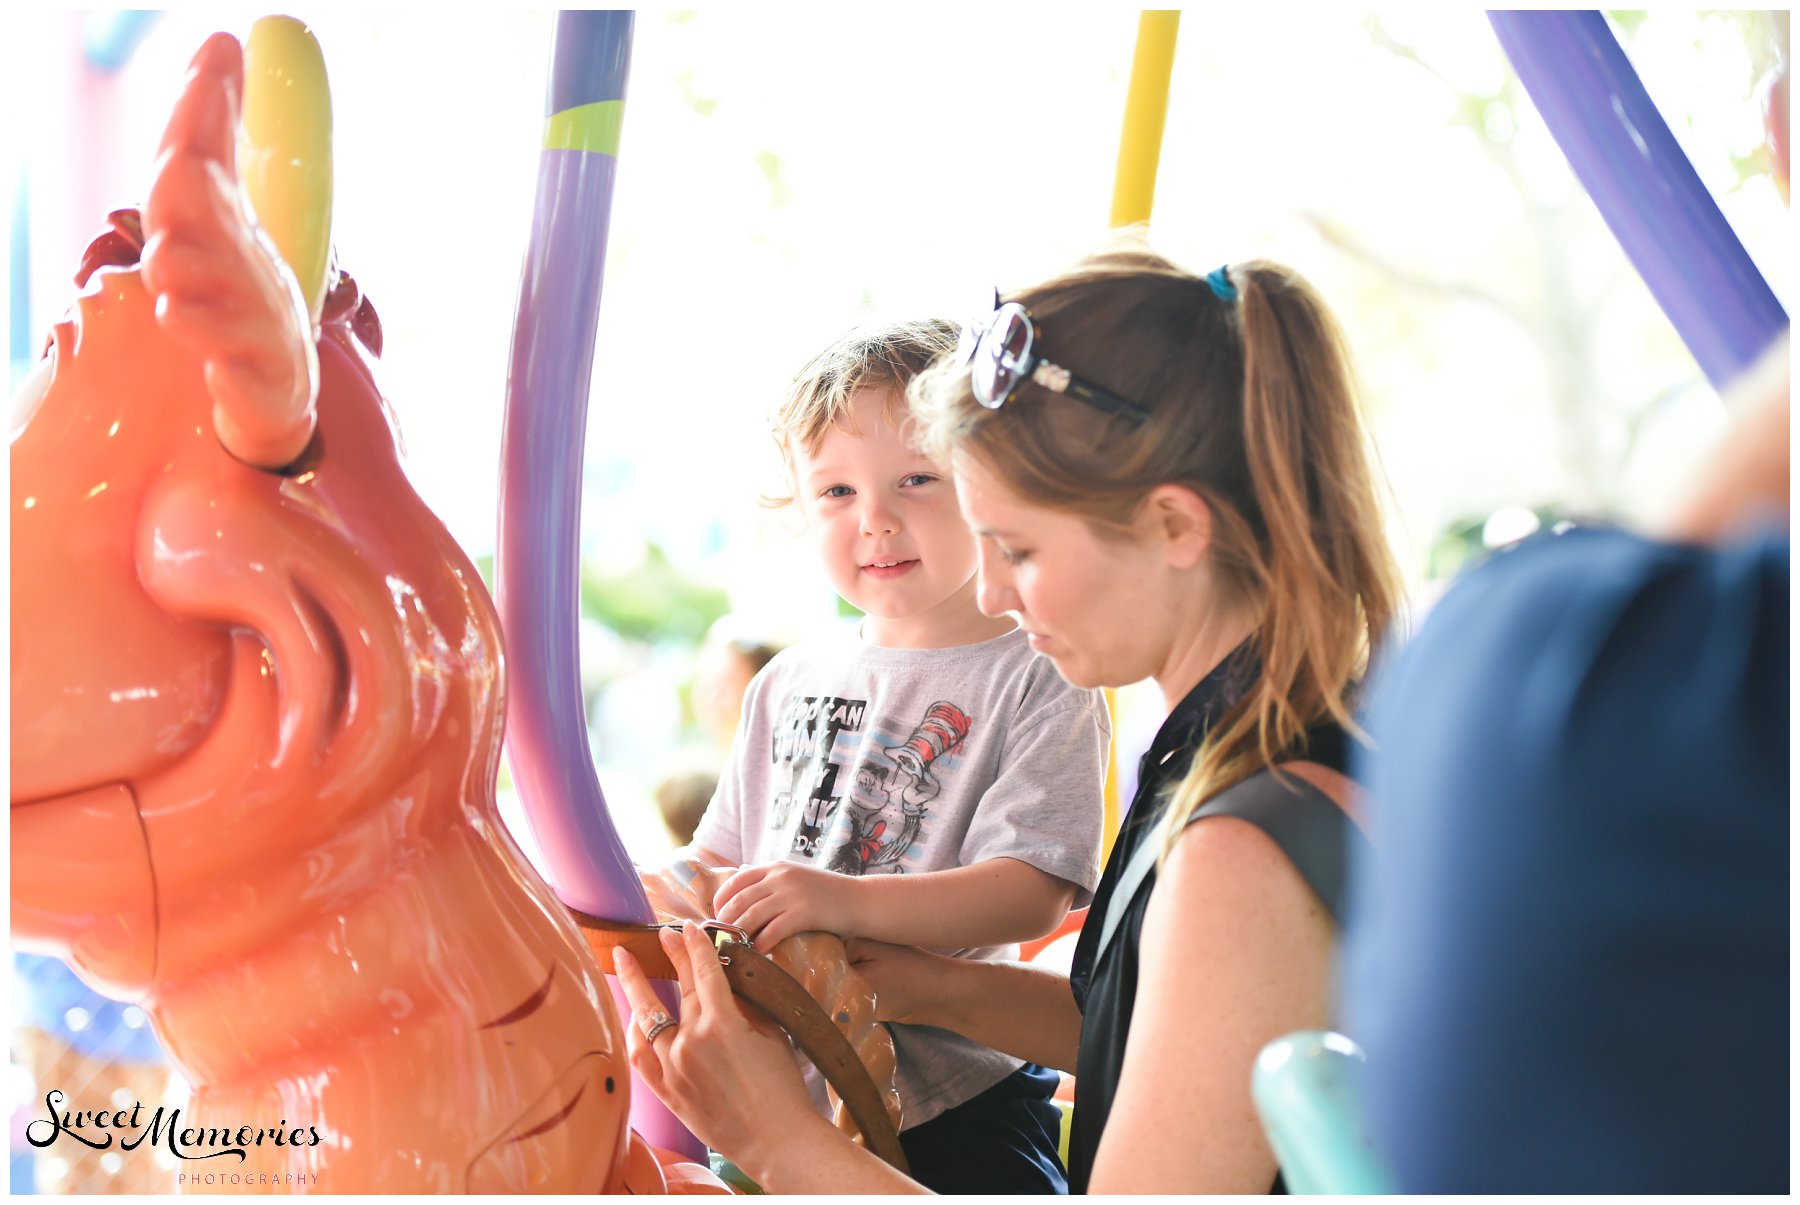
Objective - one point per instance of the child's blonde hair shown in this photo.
(1251, 406)
(821, 394)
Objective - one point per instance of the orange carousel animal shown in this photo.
(256, 716)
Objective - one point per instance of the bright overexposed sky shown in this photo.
(786, 171)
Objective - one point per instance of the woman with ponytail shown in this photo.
(1169, 479)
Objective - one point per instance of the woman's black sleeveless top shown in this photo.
(1106, 991)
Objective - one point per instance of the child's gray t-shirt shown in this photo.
(869, 760)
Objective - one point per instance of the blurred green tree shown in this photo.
(655, 603)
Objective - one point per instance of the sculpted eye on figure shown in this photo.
(256, 706)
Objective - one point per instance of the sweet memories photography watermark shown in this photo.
(136, 1129)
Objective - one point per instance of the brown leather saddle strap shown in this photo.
(778, 994)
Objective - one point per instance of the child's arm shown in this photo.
(991, 903)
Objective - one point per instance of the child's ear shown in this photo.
(1181, 520)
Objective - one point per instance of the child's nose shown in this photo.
(878, 518)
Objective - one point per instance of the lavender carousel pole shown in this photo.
(1645, 188)
(540, 494)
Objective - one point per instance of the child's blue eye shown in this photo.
(918, 479)
(836, 491)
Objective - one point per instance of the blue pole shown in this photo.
(110, 38)
(20, 351)
(1645, 188)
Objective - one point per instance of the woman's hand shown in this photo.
(724, 1069)
(911, 985)
(1019, 1009)
(783, 898)
(730, 1076)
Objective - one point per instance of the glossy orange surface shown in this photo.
(256, 721)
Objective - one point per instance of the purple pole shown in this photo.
(1644, 186)
(540, 494)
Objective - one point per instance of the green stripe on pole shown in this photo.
(592, 127)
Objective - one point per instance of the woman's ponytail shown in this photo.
(1318, 558)
(1251, 403)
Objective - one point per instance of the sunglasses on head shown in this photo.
(1003, 353)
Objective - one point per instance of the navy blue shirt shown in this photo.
(1568, 964)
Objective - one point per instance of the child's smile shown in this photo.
(883, 516)
(887, 570)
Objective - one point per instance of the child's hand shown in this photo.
(779, 900)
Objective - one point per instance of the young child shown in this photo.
(925, 779)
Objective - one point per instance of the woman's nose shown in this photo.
(993, 591)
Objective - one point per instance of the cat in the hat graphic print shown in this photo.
(900, 774)
(894, 788)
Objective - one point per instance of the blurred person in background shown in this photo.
(727, 660)
(681, 796)
(1569, 962)
(729, 657)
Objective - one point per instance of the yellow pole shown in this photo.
(1134, 190)
(1146, 104)
(1109, 791)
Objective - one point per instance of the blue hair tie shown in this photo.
(1221, 285)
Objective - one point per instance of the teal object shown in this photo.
(1305, 1090)
(732, 1174)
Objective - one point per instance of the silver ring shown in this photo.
(655, 1023)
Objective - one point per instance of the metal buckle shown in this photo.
(720, 932)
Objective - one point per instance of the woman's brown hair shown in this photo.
(1251, 406)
